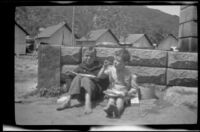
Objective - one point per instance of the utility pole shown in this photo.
(73, 11)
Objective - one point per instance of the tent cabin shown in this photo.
(60, 34)
(168, 43)
(20, 39)
(139, 41)
(100, 37)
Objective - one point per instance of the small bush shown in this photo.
(32, 93)
(47, 92)
(51, 92)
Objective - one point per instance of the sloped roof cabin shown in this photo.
(168, 42)
(20, 39)
(99, 37)
(139, 41)
(60, 34)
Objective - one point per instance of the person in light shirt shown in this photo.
(122, 83)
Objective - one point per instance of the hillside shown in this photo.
(122, 20)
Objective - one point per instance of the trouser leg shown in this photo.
(74, 89)
(75, 86)
(88, 85)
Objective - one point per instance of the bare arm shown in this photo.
(134, 82)
(104, 67)
(101, 72)
(134, 86)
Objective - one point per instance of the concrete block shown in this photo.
(139, 57)
(106, 53)
(193, 44)
(183, 60)
(184, 6)
(66, 68)
(187, 78)
(188, 29)
(189, 44)
(188, 14)
(149, 58)
(180, 31)
(49, 66)
(148, 75)
(183, 44)
(70, 55)
(151, 75)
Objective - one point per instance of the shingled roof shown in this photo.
(169, 35)
(96, 34)
(49, 31)
(132, 38)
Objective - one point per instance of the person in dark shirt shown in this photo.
(86, 88)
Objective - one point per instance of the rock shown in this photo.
(182, 96)
(182, 60)
(70, 55)
(188, 78)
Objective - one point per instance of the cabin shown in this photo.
(138, 41)
(100, 37)
(60, 34)
(20, 39)
(123, 43)
(168, 43)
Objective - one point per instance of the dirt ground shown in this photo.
(42, 111)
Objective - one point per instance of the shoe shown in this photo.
(64, 106)
(116, 113)
(109, 110)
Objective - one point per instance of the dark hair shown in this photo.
(124, 54)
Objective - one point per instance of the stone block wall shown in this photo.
(188, 29)
(162, 68)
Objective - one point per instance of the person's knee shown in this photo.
(120, 102)
(85, 79)
(86, 82)
(111, 100)
(77, 77)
